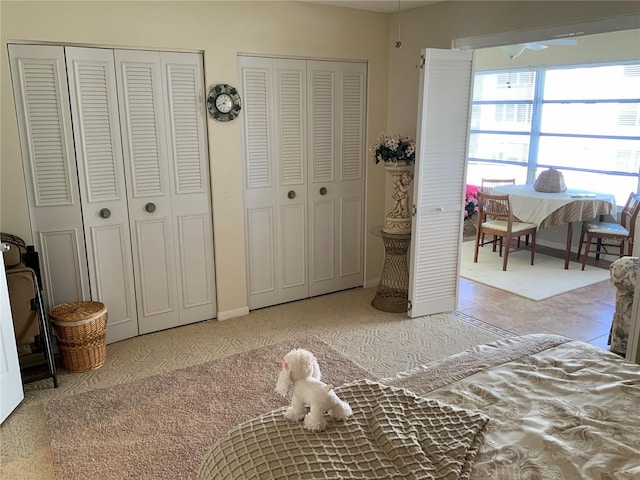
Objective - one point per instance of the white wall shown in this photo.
(221, 30)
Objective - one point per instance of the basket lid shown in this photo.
(75, 311)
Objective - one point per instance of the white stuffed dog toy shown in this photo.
(300, 369)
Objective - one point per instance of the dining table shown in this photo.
(552, 209)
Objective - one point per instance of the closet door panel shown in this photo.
(46, 139)
(191, 201)
(142, 119)
(156, 287)
(289, 95)
(261, 256)
(322, 241)
(259, 186)
(336, 131)
(96, 126)
(446, 86)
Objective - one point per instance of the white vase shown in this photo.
(398, 220)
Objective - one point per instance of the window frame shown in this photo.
(532, 163)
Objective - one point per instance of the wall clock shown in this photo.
(223, 102)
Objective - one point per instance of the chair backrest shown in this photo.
(488, 183)
(496, 207)
(630, 212)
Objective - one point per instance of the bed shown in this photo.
(528, 407)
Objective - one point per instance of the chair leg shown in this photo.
(533, 246)
(506, 252)
(475, 250)
(598, 249)
(580, 244)
(586, 251)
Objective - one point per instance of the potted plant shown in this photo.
(398, 155)
(470, 208)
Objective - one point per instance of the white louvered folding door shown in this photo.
(443, 120)
(161, 108)
(132, 202)
(304, 176)
(183, 89)
(46, 140)
(96, 126)
(336, 99)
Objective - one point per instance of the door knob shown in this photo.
(150, 207)
(105, 213)
(323, 191)
(291, 194)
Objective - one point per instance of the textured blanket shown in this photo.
(392, 434)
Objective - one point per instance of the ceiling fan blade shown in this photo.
(535, 46)
(561, 41)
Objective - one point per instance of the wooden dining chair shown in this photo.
(622, 232)
(488, 183)
(499, 222)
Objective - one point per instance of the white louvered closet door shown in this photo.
(96, 126)
(275, 179)
(443, 130)
(146, 161)
(190, 193)
(46, 140)
(304, 176)
(336, 132)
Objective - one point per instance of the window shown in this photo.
(583, 120)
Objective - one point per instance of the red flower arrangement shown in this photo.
(471, 201)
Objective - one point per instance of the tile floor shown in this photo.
(584, 314)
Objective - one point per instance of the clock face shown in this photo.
(223, 102)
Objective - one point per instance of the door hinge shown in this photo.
(422, 60)
(414, 210)
(409, 305)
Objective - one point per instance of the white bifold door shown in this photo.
(304, 154)
(446, 84)
(114, 147)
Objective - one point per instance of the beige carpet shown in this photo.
(381, 343)
(544, 279)
(161, 427)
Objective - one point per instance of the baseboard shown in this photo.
(371, 283)
(238, 312)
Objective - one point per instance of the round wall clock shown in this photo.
(223, 102)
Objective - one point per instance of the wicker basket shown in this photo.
(82, 334)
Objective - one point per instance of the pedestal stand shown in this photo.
(393, 290)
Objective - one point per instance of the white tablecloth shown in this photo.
(532, 206)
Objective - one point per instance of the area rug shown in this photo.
(161, 426)
(546, 278)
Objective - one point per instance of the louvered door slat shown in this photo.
(257, 144)
(352, 126)
(49, 156)
(323, 118)
(185, 119)
(141, 103)
(291, 124)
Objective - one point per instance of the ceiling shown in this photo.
(386, 6)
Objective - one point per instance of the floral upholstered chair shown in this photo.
(623, 275)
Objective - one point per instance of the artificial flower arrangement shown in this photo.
(471, 201)
(394, 148)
